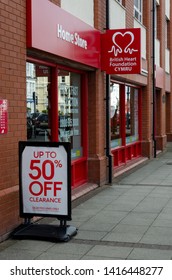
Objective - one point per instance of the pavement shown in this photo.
(129, 220)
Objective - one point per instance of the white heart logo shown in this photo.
(117, 49)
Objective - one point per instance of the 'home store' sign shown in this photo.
(53, 30)
(72, 38)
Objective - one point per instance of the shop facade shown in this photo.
(140, 114)
(69, 67)
(51, 72)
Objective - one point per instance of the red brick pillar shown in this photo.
(13, 88)
(160, 94)
(97, 160)
(147, 91)
(169, 94)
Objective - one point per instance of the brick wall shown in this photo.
(168, 96)
(13, 88)
(129, 15)
(147, 91)
(97, 161)
(100, 14)
(161, 113)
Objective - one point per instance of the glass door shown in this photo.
(69, 111)
(37, 93)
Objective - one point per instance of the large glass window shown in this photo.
(37, 91)
(124, 114)
(69, 110)
(39, 97)
(115, 115)
(138, 9)
(131, 114)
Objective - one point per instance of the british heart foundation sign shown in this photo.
(120, 51)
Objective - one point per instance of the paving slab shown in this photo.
(109, 252)
(126, 233)
(150, 254)
(90, 235)
(139, 219)
(158, 235)
(19, 254)
(155, 205)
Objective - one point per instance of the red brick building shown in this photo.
(68, 85)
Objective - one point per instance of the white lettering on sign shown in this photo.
(72, 38)
(122, 64)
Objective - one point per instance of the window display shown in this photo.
(115, 115)
(131, 114)
(69, 110)
(125, 123)
(124, 114)
(37, 90)
(69, 106)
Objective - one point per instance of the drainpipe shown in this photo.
(108, 154)
(153, 75)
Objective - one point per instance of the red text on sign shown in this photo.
(37, 188)
(42, 171)
(48, 154)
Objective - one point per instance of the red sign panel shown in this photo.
(53, 30)
(120, 53)
(3, 116)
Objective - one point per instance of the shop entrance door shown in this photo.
(72, 119)
(57, 111)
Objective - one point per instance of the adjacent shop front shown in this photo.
(121, 55)
(125, 122)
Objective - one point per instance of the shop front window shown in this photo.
(69, 110)
(131, 114)
(37, 92)
(115, 115)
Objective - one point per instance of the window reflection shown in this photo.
(131, 114)
(115, 115)
(37, 91)
(124, 115)
(69, 110)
